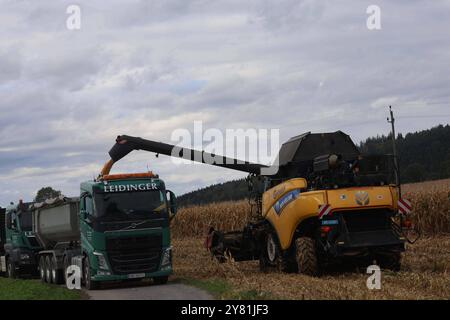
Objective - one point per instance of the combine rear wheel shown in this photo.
(306, 256)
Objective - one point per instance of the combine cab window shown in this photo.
(132, 205)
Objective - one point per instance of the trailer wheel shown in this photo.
(47, 268)
(55, 272)
(65, 266)
(11, 269)
(42, 268)
(160, 280)
(88, 283)
(306, 256)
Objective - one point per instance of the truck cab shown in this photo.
(124, 226)
(21, 246)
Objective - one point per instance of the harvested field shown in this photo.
(425, 275)
(425, 270)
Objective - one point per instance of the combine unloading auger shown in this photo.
(125, 144)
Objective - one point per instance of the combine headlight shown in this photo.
(166, 258)
(101, 260)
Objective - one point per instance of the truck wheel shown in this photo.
(88, 283)
(306, 256)
(160, 280)
(55, 272)
(65, 266)
(48, 268)
(391, 261)
(11, 269)
(42, 268)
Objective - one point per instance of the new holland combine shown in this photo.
(327, 203)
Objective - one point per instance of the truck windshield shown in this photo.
(25, 221)
(130, 205)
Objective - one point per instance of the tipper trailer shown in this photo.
(117, 229)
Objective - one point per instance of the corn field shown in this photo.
(430, 200)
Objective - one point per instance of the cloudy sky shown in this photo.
(146, 68)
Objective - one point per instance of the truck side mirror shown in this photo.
(172, 202)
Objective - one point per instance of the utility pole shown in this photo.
(391, 120)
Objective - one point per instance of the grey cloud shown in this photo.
(148, 67)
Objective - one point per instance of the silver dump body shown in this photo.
(56, 221)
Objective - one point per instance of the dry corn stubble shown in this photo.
(425, 269)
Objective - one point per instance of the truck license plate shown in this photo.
(136, 275)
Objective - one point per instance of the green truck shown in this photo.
(19, 246)
(117, 229)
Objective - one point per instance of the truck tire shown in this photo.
(88, 283)
(160, 280)
(42, 268)
(306, 256)
(66, 264)
(11, 269)
(56, 276)
(48, 270)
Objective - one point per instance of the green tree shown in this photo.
(415, 172)
(46, 193)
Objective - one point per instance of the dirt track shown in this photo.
(148, 291)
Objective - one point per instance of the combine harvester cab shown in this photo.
(117, 229)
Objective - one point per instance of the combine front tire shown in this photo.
(306, 256)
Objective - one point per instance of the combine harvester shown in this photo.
(117, 229)
(326, 204)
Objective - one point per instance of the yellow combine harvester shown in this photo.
(326, 204)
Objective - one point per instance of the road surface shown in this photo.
(149, 291)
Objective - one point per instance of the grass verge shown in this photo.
(19, 289)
